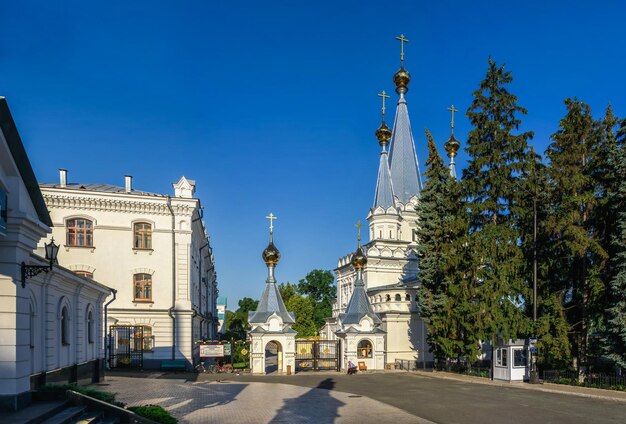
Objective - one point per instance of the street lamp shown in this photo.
(52, 250)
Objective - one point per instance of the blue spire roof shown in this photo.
(405, 173)
(384, 186)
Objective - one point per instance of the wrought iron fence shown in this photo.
(603, 381)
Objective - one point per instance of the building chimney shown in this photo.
(62, 177)
(129, 183)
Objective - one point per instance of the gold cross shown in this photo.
(358, 225)
(402, 41)
(271, 217)
(452, 109)
(384, 96)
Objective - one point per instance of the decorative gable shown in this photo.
(184, 188)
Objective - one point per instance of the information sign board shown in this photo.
(212, 351)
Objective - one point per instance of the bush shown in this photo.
(154, 413)
(87, 391)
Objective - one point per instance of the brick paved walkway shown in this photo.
(255, 402)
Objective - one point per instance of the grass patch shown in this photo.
(154, 413)
(240, 365)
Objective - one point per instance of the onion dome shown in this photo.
(271, 255)
(358, 259)
(383, 134)
(402, 80)
(452, 146)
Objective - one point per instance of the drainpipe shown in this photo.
(106, 335)
(170, 311)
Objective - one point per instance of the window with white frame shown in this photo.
(364, 349)
(519, 357)
(502, 357)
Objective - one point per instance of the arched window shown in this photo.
(31, 322)
(388, 298)
(65, 326)
(398, 297)
(79, 232)
(143, 235)
(407, 297)
(90, 326)
(364, 349)
(143, 287)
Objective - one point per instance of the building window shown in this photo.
(79, 232)
(364, 349)
(142, 338)
(31, 318)
(65, 326)
(143, 287)
(85, 274)
(398, 297)
(143, 235)
(90, 325)
(407, 297)
(388, 298)
(501, 357)
(519, 357)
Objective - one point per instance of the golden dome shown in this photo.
(358, 259)
(383, 134)
(452, 145)
(402, 80)
(271, 255)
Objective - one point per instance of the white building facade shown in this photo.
(51, 322)
(391, 274)
(153, 249)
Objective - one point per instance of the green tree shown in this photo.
(498, 152)
(302, 307)
(237, 322)
(577, 255)
(440, 213)
(319, 287)
(614, 340)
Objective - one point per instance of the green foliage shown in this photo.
(302, 307)
(495, 286)
(319, 287)
(154, 413)
(236, 323)
(87, 391)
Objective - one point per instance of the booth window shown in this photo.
(364, 349)
(501, 357)
(79, 232)
(519, 357)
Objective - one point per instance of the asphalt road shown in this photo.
(449, 401)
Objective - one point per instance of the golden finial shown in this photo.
(383, 133)
(402, 41)
(271, 255)
(452, 110)
(358, 259)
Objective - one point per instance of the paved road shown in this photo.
(334, 398)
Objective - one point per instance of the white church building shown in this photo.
(390, 275)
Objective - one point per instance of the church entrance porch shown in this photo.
(317, 355)
(273, 357)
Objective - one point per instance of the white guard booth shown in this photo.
(511, 360)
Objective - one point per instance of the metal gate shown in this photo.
(126, 346)
(317, 355)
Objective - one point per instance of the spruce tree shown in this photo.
(498, 154)
(441, 225)
(577, 256)
(614, 340)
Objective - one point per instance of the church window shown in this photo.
(79, 232)
(143, 235)
(390, 234)
(398, 297)
(65, 326)
(388, 298)
(364, 349)
(143, 287)
(31, 318)
(407, 297)
(85, 274)
(90, 326)
(380, 234)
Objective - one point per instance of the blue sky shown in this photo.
(271, 106)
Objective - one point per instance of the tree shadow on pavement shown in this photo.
(315, 406)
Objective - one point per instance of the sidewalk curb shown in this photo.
(615, 396)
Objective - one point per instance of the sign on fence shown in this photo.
(227, 349)
(211, 351)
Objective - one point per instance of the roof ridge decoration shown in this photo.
(403, 163)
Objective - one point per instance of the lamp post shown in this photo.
(28, 271)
